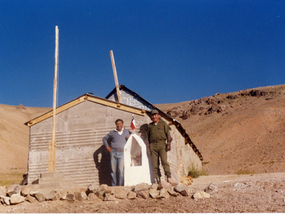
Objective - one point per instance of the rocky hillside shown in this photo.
(240, 132)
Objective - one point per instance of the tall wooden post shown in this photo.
(115, 76)
(52, 148)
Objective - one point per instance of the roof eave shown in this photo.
(83, 98)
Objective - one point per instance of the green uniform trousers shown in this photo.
(158, 151)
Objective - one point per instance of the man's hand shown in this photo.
(168, 147)
(127, 137)
(169, 139)
(109, 149)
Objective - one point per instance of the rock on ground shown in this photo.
(80, 196)
(25, 190)
(30, 199)
(132, 195)
(92, 197)
(211, 189)
(144, 194)
(186, 180)
(14, 189)
(109, 197)
(154, 193)
(40, 197)
(5, 200)
(173, 193)
(141, 187)
(16, 199)
(70, 197)
(181, 188)
(201, 195)
(163, 193)
(52, 195)
(121, 194)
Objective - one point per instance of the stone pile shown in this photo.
(16, 194)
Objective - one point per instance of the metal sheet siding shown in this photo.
(80, 154)
(74, 154)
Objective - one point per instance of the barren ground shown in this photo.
(235, 194)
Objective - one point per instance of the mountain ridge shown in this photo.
(238, 132)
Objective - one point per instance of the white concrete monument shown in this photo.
(137, 169)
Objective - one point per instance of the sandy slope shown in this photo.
(14, 136)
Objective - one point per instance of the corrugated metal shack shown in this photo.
(80, 126)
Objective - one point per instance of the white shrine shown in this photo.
(137, 163)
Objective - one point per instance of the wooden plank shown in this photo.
(115, 105)
(58, 110)
(82, 99)
(52, 152)
(115, 76)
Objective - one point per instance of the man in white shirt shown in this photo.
(115, 142)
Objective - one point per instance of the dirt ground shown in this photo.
(260, 193)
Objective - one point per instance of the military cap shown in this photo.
(154, 111)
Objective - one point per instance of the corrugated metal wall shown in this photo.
(80, 154)
(71, 148)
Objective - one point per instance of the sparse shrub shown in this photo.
(194, 173)
(10, 178)
(244, 172)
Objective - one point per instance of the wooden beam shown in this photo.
(115, 76)
(82, 99)
(52, 149)
(58, 110)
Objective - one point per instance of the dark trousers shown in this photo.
(158, 151)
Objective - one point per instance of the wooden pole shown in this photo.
(52, 150)
(115, 76)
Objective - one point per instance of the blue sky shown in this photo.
(166, 51)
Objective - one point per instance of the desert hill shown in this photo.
(14, 136)
(239, 132)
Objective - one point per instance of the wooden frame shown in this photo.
(82, 99)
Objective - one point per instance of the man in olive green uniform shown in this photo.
(157, 133)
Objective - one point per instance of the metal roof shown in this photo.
(164, 115)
